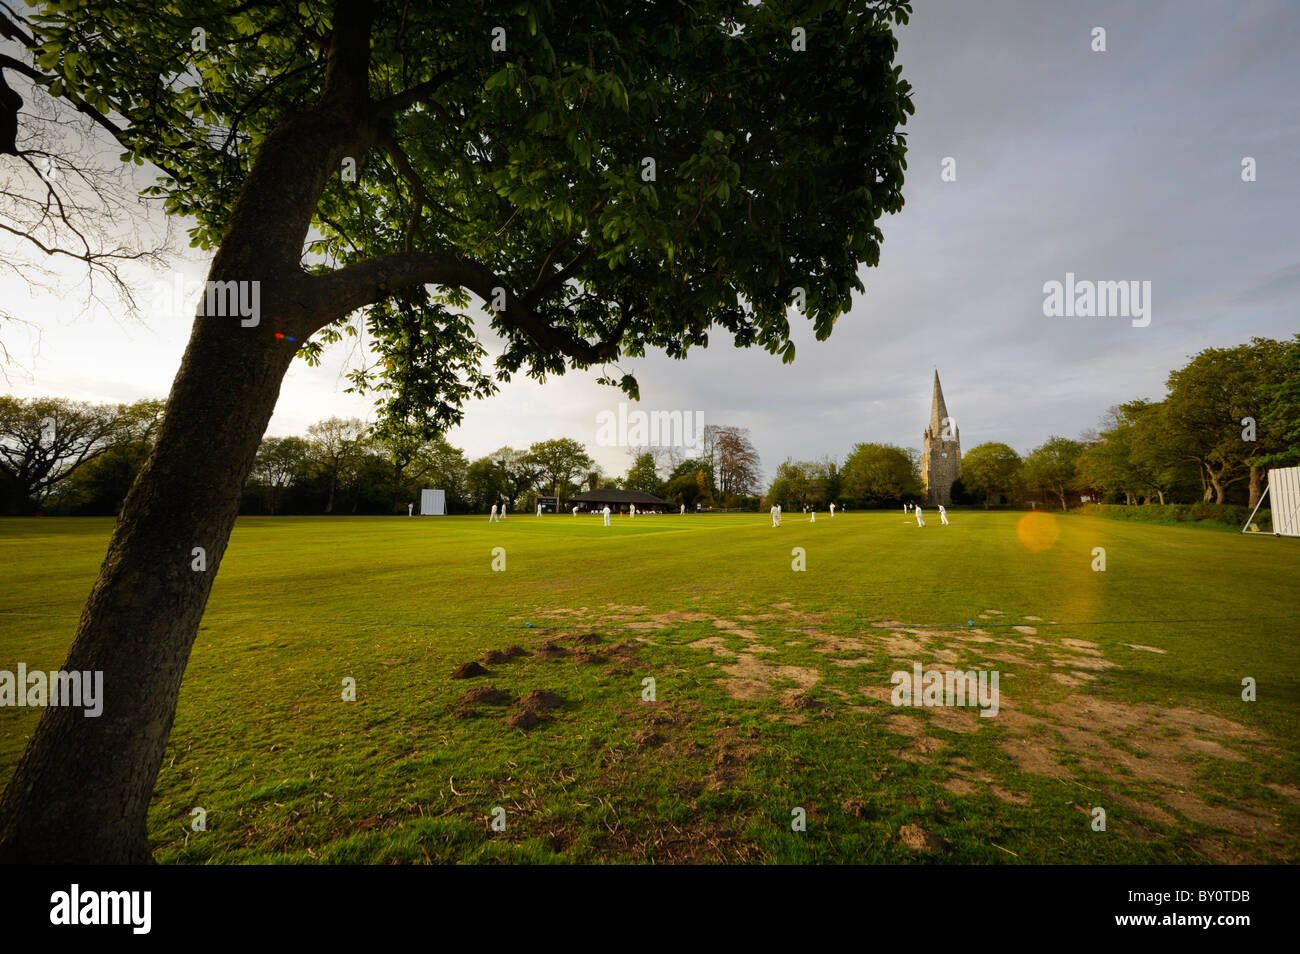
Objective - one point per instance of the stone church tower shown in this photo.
(941, 451)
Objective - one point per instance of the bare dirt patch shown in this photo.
(646, 738)
(523, 719)
(668, 620)
(468, 670)
(751, 678)
(1146, 649)
(540, 700)
(495, 657)
(1073, 679)
(1081, 644)
(899, 645)
(799, 700)
(484, 695)
(965, 720)
(915, 838)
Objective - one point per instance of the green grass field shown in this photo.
(1119, 689)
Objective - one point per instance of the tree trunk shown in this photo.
(1217, 485)
(67, 802)
(1256, 486)
(81, 792)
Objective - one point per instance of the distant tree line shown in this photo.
(1229, 414)
(73, 458)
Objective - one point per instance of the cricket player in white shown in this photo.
(813, 517)
(631, 510)
(606, 513)
(493, 518)
(943, 515)
(832, 510)
(917, 510)
(775, 522)
(410, 509)
(575, 510)
(539, 510)
(683, 510)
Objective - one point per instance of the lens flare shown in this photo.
(1037, 531)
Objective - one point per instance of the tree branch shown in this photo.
(409, 97)
(339, 293)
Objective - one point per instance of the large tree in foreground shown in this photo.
(604, 178)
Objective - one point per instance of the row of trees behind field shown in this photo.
(1229, 414)
(59, 456)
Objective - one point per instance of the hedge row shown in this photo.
(1228, 515)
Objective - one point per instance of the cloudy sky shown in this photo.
(1116, 165)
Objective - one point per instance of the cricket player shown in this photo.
(606, 513)
(916, 509)
(493, 518)
(943, 515)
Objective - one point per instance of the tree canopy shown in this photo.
(606, 178)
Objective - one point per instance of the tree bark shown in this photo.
(81, 792)
(1256, 486)
(1218, 487)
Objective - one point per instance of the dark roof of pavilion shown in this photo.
(617, 496)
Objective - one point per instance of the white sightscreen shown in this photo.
(433, 503)
(1284, 500)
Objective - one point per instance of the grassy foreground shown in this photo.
(771, 689)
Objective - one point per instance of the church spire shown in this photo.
(938, 410)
